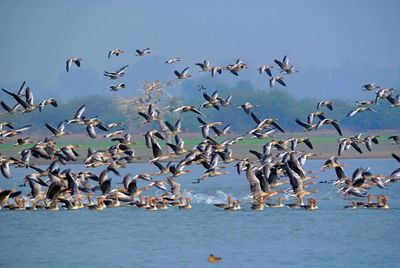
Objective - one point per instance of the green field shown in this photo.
(326, 146)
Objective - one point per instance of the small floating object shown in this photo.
(212, 258)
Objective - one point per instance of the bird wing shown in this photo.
(147, 117)
(280, 81)
(201, 65)
(303, 124)
(156, 148)
(175, 187)
(234, 72)
(353, 112)
(80, 112)
(216, 130)
(122, 69)
(160, 166)
(286, 60)
(255, 118)
(275, 124)
(185, 71)
(178, 124)
(295, 181)
(21, 89)
(257, 154)
(355, 146)
(29, 96)
(336, 126)
(17, 98)
(309, 144)
(272, 82)
(255, 187)
(52, 129)
(225, 129)
(90, 130)
(5, 169)
(151, 111)
(179, 141)
(197, 111)
(310, 118)
(61, 126)
(68, 64)
(268, 71)
(178, 74)
(340, 173)
(396, 157)
(208, 98)
(280, 64)
(320, 123)
(173, 147)
(5, 106)
(368, 144)
(170, 126)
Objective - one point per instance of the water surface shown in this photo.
(132, 237)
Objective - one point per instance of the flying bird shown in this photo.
(143, 52)
(75, 60)
(115, 52)
(184, 74)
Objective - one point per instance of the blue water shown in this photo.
(132, 237)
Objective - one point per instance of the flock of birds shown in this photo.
(278, 159)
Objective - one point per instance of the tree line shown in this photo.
(273, 103)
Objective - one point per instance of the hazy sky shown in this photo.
(38, 36)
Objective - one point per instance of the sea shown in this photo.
(276, 237)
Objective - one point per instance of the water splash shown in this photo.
(220, 197)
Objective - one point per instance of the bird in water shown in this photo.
(212, 258)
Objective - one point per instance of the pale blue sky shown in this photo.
(38, 36)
